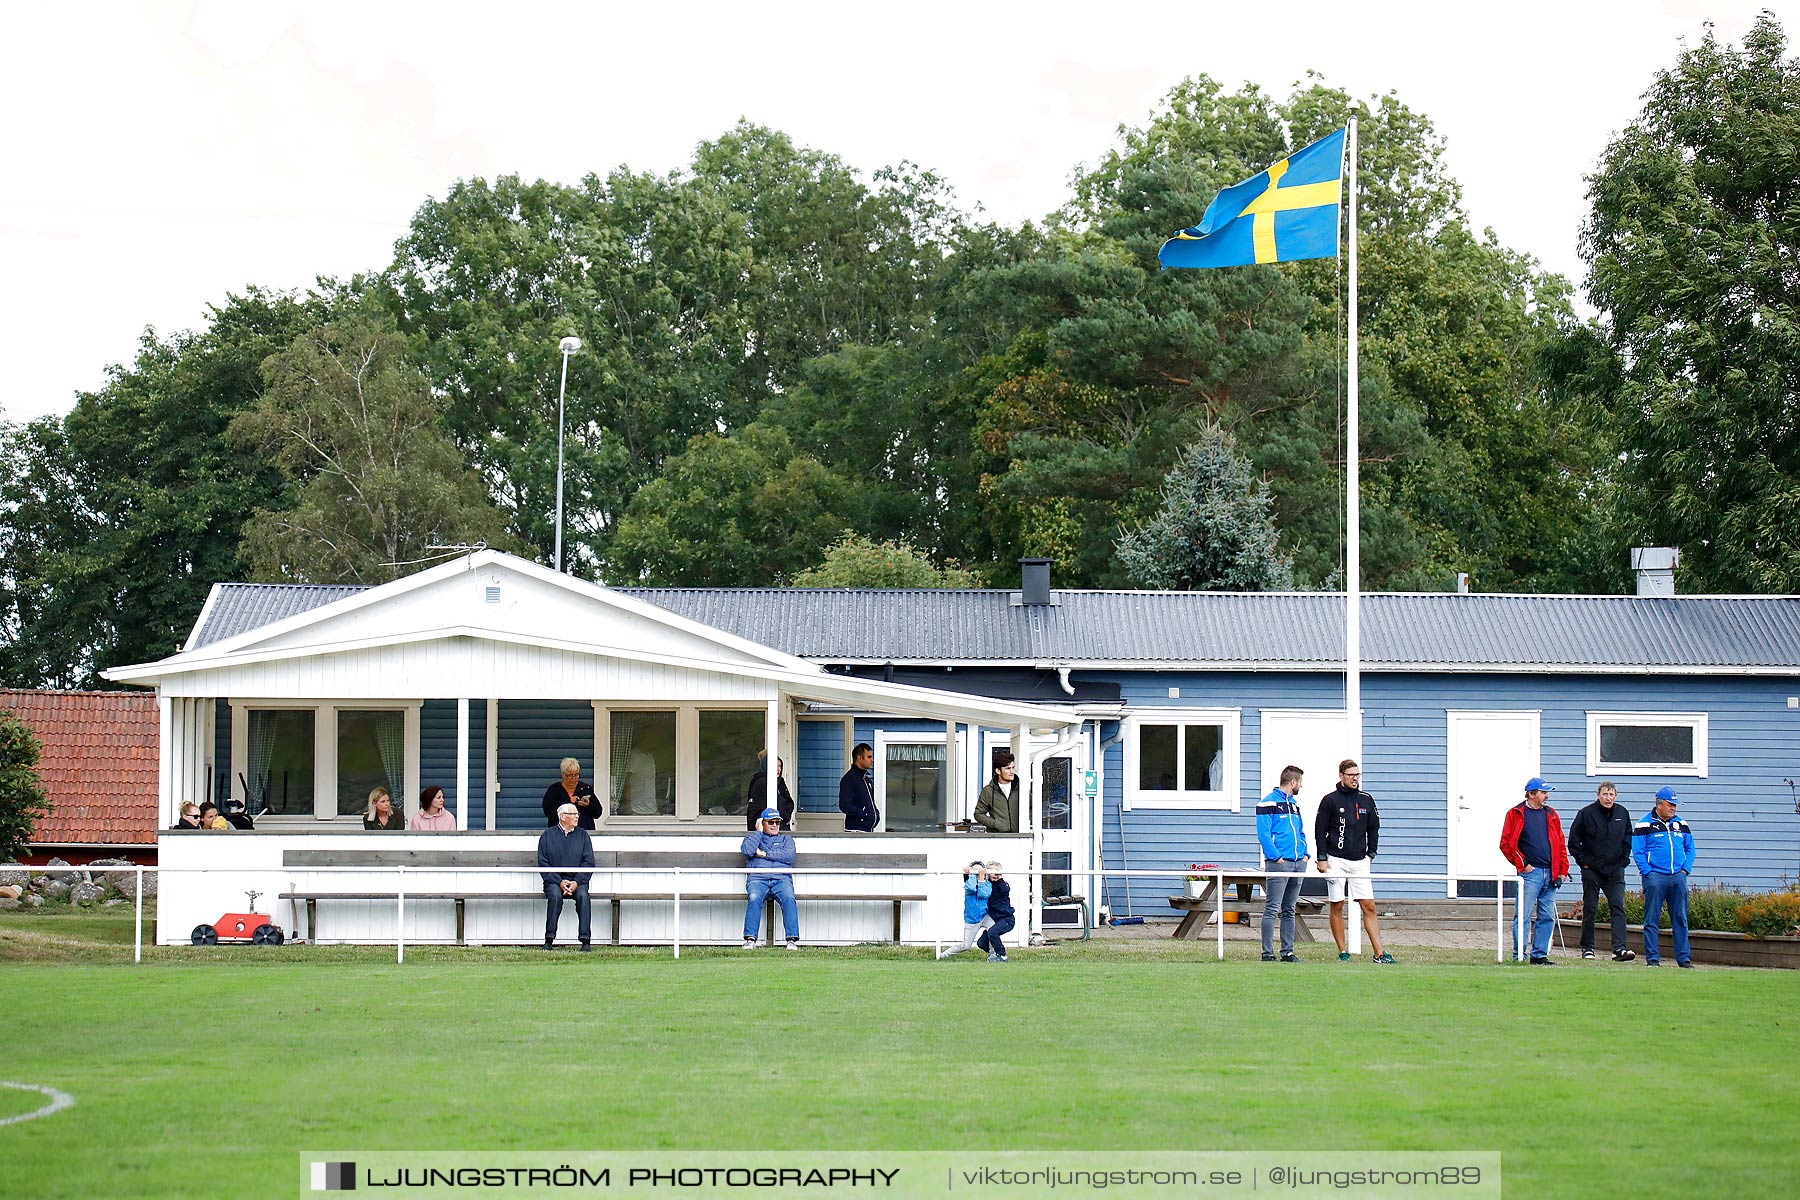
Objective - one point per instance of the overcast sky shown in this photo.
(160, 155)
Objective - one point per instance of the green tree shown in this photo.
(121, 515)
(739, 511)
(22, 800)
(1215, 530)
(1693, 249)
(1116, 365)
(855, 561)
(378, 481)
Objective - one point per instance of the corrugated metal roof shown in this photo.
(98, 765)
(1278, 629)
(240, 607)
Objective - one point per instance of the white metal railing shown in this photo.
(400, 870)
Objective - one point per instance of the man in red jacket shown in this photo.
(1532, 840)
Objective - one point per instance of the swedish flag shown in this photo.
(1287, 212)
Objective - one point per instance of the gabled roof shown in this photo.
(98, 764)
(1299, 630)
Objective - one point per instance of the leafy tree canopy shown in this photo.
(22, 800)
(1693, 249)
(378, 481)
(855, 561)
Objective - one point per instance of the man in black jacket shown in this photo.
(1600, 841)
(1346, 832)
(856, 791)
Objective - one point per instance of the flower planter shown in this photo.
(1707, 946)
(1194, 888)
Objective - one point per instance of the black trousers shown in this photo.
(1613, 884)
(553, 902)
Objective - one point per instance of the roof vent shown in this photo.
(1034, 581)
(1655, 567)
(493, 593)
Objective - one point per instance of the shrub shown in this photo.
(1708, 908)
(1775, 915)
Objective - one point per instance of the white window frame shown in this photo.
(325, 752)
(901, 737)
(687, 760)
(1224, 799)
(1698, 722)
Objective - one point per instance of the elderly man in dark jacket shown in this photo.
(566, 844)
(1600, 844)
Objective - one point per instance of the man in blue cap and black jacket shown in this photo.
(1663, 847)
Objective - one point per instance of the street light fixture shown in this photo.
(568, 346)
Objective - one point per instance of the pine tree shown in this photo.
(1216, 528)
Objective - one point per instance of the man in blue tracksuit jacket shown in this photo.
(1282, 832)
(1663, 847)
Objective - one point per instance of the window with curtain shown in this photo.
(913, 796)
(280, 776)
(642, 762)
(371, 751)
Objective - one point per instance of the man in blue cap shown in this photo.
(1531, 837)
(765, 852)
(1662, 845)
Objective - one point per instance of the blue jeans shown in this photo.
(1537, 912)
(1282, 895)
(782, 888)
(553, 902)
(1673, 890)
(990, 941)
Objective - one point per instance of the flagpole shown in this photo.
(1353, 545)
(1353, 508)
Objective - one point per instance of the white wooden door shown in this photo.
(1491, 755)
(1314, 741)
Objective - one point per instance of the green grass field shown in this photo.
(204, 1072)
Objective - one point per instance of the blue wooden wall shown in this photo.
(536, 735)
(437, 755)
(1745, 827)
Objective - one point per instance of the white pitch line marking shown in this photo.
(58, 1101)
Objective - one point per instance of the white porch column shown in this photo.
(952, 773)
(772, 746)
(493, 759)
(462, 763)
(166, 752)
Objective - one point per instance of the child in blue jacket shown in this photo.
(976, 890)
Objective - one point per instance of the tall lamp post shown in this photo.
(568, 346)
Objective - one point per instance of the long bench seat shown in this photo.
(450, 860)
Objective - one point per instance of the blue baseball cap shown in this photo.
(1534, 784)
(1668, 793)
(769, 814)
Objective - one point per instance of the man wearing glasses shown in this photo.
(1347, 831)
(765, 852)
(563, 845)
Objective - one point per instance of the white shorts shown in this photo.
(1350, 874)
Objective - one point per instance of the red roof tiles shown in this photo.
(98, 763)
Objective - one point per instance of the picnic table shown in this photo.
(1200, 911)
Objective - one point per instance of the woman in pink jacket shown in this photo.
(432, 813)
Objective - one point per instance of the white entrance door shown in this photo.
(1312, 740)
(1491, 755)
(1063, 839)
